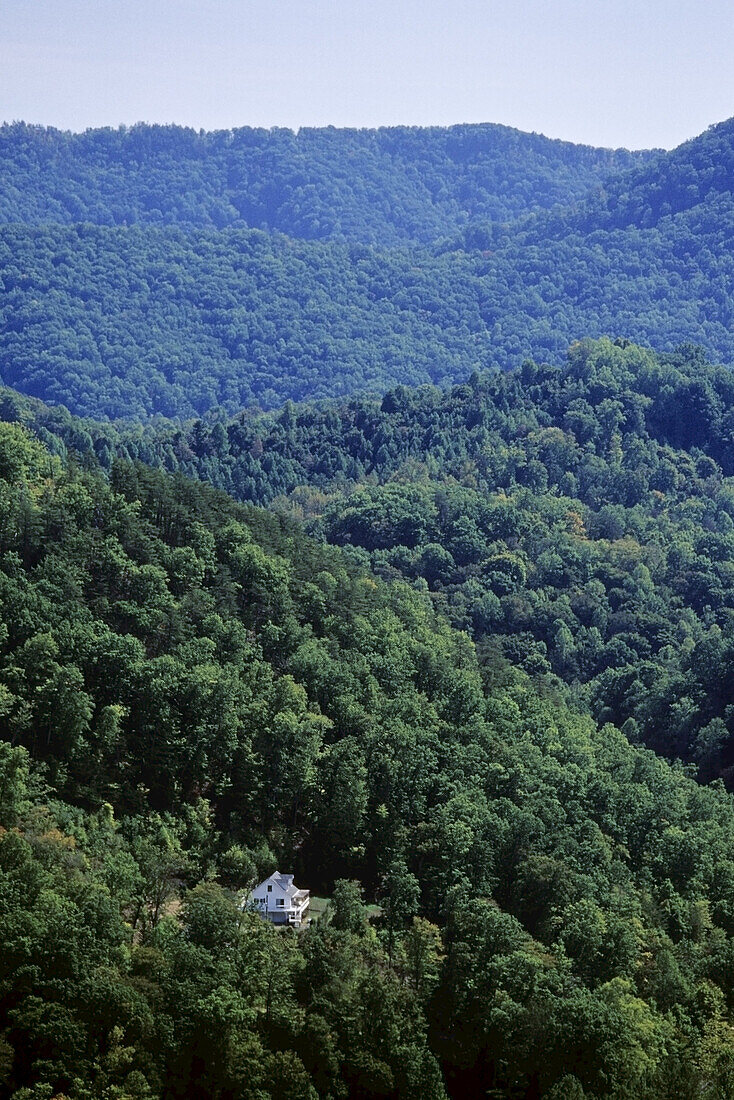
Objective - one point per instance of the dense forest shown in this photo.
(697, 173)
(194, 692)
(396, 185)
(576, 521)
(339, 536)
(129, 320)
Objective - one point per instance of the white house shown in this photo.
(279, 901)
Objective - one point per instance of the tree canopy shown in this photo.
(194, 692)
(468, 678)
(499, 246)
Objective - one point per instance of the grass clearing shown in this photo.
(317, 907)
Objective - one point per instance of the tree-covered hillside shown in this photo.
(131, 322)
(127, 321)
(430, 680)
(575, 520)
(192, 692)
(695, 174)
(384, 187)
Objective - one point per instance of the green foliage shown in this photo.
(385, 186)
(556, 904)
(193, 692)
(567, 518)
(193, 272)
(346, 909)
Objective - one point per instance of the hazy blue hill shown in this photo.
(383, 186)
(134, 321)
(694, 173)
(121, 320)
(699, 174)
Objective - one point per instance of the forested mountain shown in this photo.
(431, 678)
(576, 520)
(697, 173)
(135, 320)
(192, 691)
(130, 322)
(384, 187)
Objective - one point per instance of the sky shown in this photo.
(634, 73)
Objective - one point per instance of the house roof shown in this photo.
(285, 882)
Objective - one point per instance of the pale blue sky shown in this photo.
(607, 72)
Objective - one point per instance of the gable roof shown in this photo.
(285, 882)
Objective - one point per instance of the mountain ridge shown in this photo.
(386, 186)
(174, 319)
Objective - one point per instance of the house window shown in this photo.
(270, 889)
(280, 902)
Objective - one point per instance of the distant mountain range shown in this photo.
(398, 185)
(156, 270)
